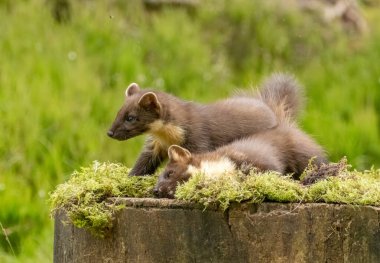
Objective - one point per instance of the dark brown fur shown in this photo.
(199, 128)
(316, 173)
(284, 149)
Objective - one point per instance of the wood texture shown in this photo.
(154, 230)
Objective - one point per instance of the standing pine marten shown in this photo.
(284, 149)
(200, 128)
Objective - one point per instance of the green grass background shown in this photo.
(62, 83)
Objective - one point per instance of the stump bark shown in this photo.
(161, 230)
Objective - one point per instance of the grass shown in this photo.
(86, 197)
(62, 83)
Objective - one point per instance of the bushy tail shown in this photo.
(283, 94)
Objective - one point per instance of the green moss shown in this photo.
(359, 188)
(254, 188)
(86, 196)
(223, 191)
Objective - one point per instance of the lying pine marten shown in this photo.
(285, 149)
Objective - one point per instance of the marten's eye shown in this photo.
(168, 174)
(130, 118)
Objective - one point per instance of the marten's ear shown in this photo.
(177, 153)
(150, 101)
(132, 89)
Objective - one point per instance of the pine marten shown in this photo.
(284, 149)
(199, 128)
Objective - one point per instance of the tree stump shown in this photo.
(162, 230)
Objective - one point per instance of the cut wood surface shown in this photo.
(162, 230)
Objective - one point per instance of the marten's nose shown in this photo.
(110, 133)
(155, 192)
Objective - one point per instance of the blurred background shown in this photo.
(64, 66)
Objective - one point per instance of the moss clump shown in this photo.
(224, 190)
(358, 188)
(331, 183)
(255, 188)
(85, 196)
(275, 187)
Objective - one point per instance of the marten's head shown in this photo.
(178, 170)
(141, 108)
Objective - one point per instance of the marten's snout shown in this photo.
(110, 133)
(156, 193)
